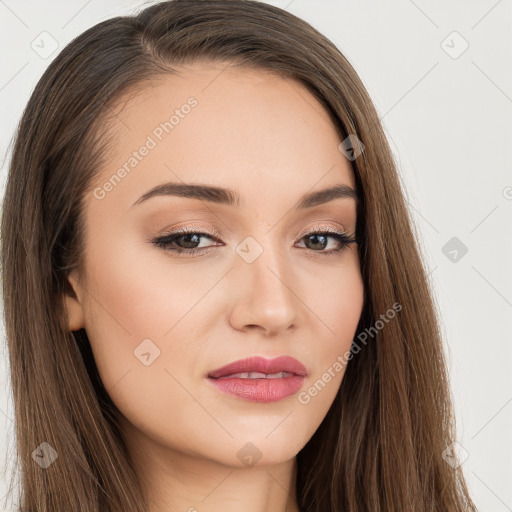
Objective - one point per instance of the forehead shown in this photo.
(248, 129)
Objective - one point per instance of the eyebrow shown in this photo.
(230, 197)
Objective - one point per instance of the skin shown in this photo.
(270, 140)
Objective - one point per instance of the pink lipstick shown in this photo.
(260, 380)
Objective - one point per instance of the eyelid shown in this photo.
(191, 228)
(324, 228)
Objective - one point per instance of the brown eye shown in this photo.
(186, 241)
(317, 241)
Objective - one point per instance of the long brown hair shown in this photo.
(380, 447)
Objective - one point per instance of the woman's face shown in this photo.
(251, 279)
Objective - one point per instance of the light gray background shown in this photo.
(448, 119)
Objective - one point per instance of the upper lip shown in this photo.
(261, 365)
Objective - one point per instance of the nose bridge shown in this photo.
(264, 274)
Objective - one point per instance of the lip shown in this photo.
(260, 389)
(261, 365)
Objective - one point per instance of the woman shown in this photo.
(213, 296)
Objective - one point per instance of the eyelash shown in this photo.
(165, 241)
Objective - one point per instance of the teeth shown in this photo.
(257, 375)
(278, 375)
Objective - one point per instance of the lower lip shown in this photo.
(260, 390)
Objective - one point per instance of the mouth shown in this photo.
(260, 380)
(260, 368)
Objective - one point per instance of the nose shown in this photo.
(265, 299)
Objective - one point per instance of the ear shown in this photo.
(73, 303)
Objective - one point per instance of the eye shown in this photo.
(188, 242)
(319, 239)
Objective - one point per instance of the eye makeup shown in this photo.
(170, 242)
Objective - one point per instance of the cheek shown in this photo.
(130, 301)
(139, 290)
(337, 301)
(133, 303)
(337, 307)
